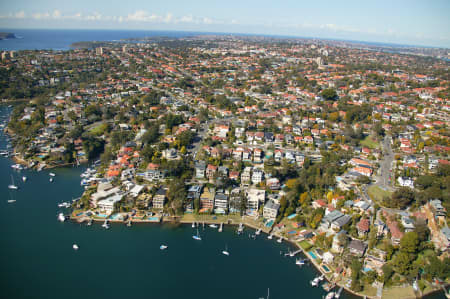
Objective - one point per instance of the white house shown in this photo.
(107, 205)
(405, 182)
(254, 198)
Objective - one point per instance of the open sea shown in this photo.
(55, 39)
(37, 259)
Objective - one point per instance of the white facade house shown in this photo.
(405, 182)
(257, 176)
(107, 205)
(254, 198)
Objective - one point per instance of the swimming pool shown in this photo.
(325, 268)
(79, 214)
(367, 269)
(312, 255)
(116, 216)
(153, 218)
(292, 232)
(270, 223)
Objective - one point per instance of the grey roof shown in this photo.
(270, 204)
(341, 221)
(357, 245)
(333, 215)
(161, 191)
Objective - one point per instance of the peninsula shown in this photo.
(7, 35)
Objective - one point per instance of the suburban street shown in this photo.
(386, 164)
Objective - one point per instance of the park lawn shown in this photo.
(377, 194)
(370, 143)
(399, 292)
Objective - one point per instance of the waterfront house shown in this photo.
(220, 203)
(159, 198)
(207, 199)
(254, 198)
(270, 210)
(106, 206)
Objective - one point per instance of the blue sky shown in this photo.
(423, 22)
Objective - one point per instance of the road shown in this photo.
(386, 164)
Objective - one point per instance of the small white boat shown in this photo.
(75, 247)
(51, 174)
(338, 293)
(61, 217)
(220, 227)
(24, 178)
(330, 295)
(300, 262)
(129, 223)
(17, 166)
(280, 240)
(226, 252)
(89, 222)
(270, 237)
(11, 200)
(163, 247)
(197, 236)
(12, 186)
(213, 225)
(258, 231)
(193, 224)
(315, 282)
(51, 180)
(105, 224)
(64, 205)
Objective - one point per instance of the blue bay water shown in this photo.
(37, 39)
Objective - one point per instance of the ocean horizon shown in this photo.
(61, 39)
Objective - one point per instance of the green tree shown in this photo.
(409, 243)
(329, 94)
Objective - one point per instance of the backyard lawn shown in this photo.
(370, 143)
